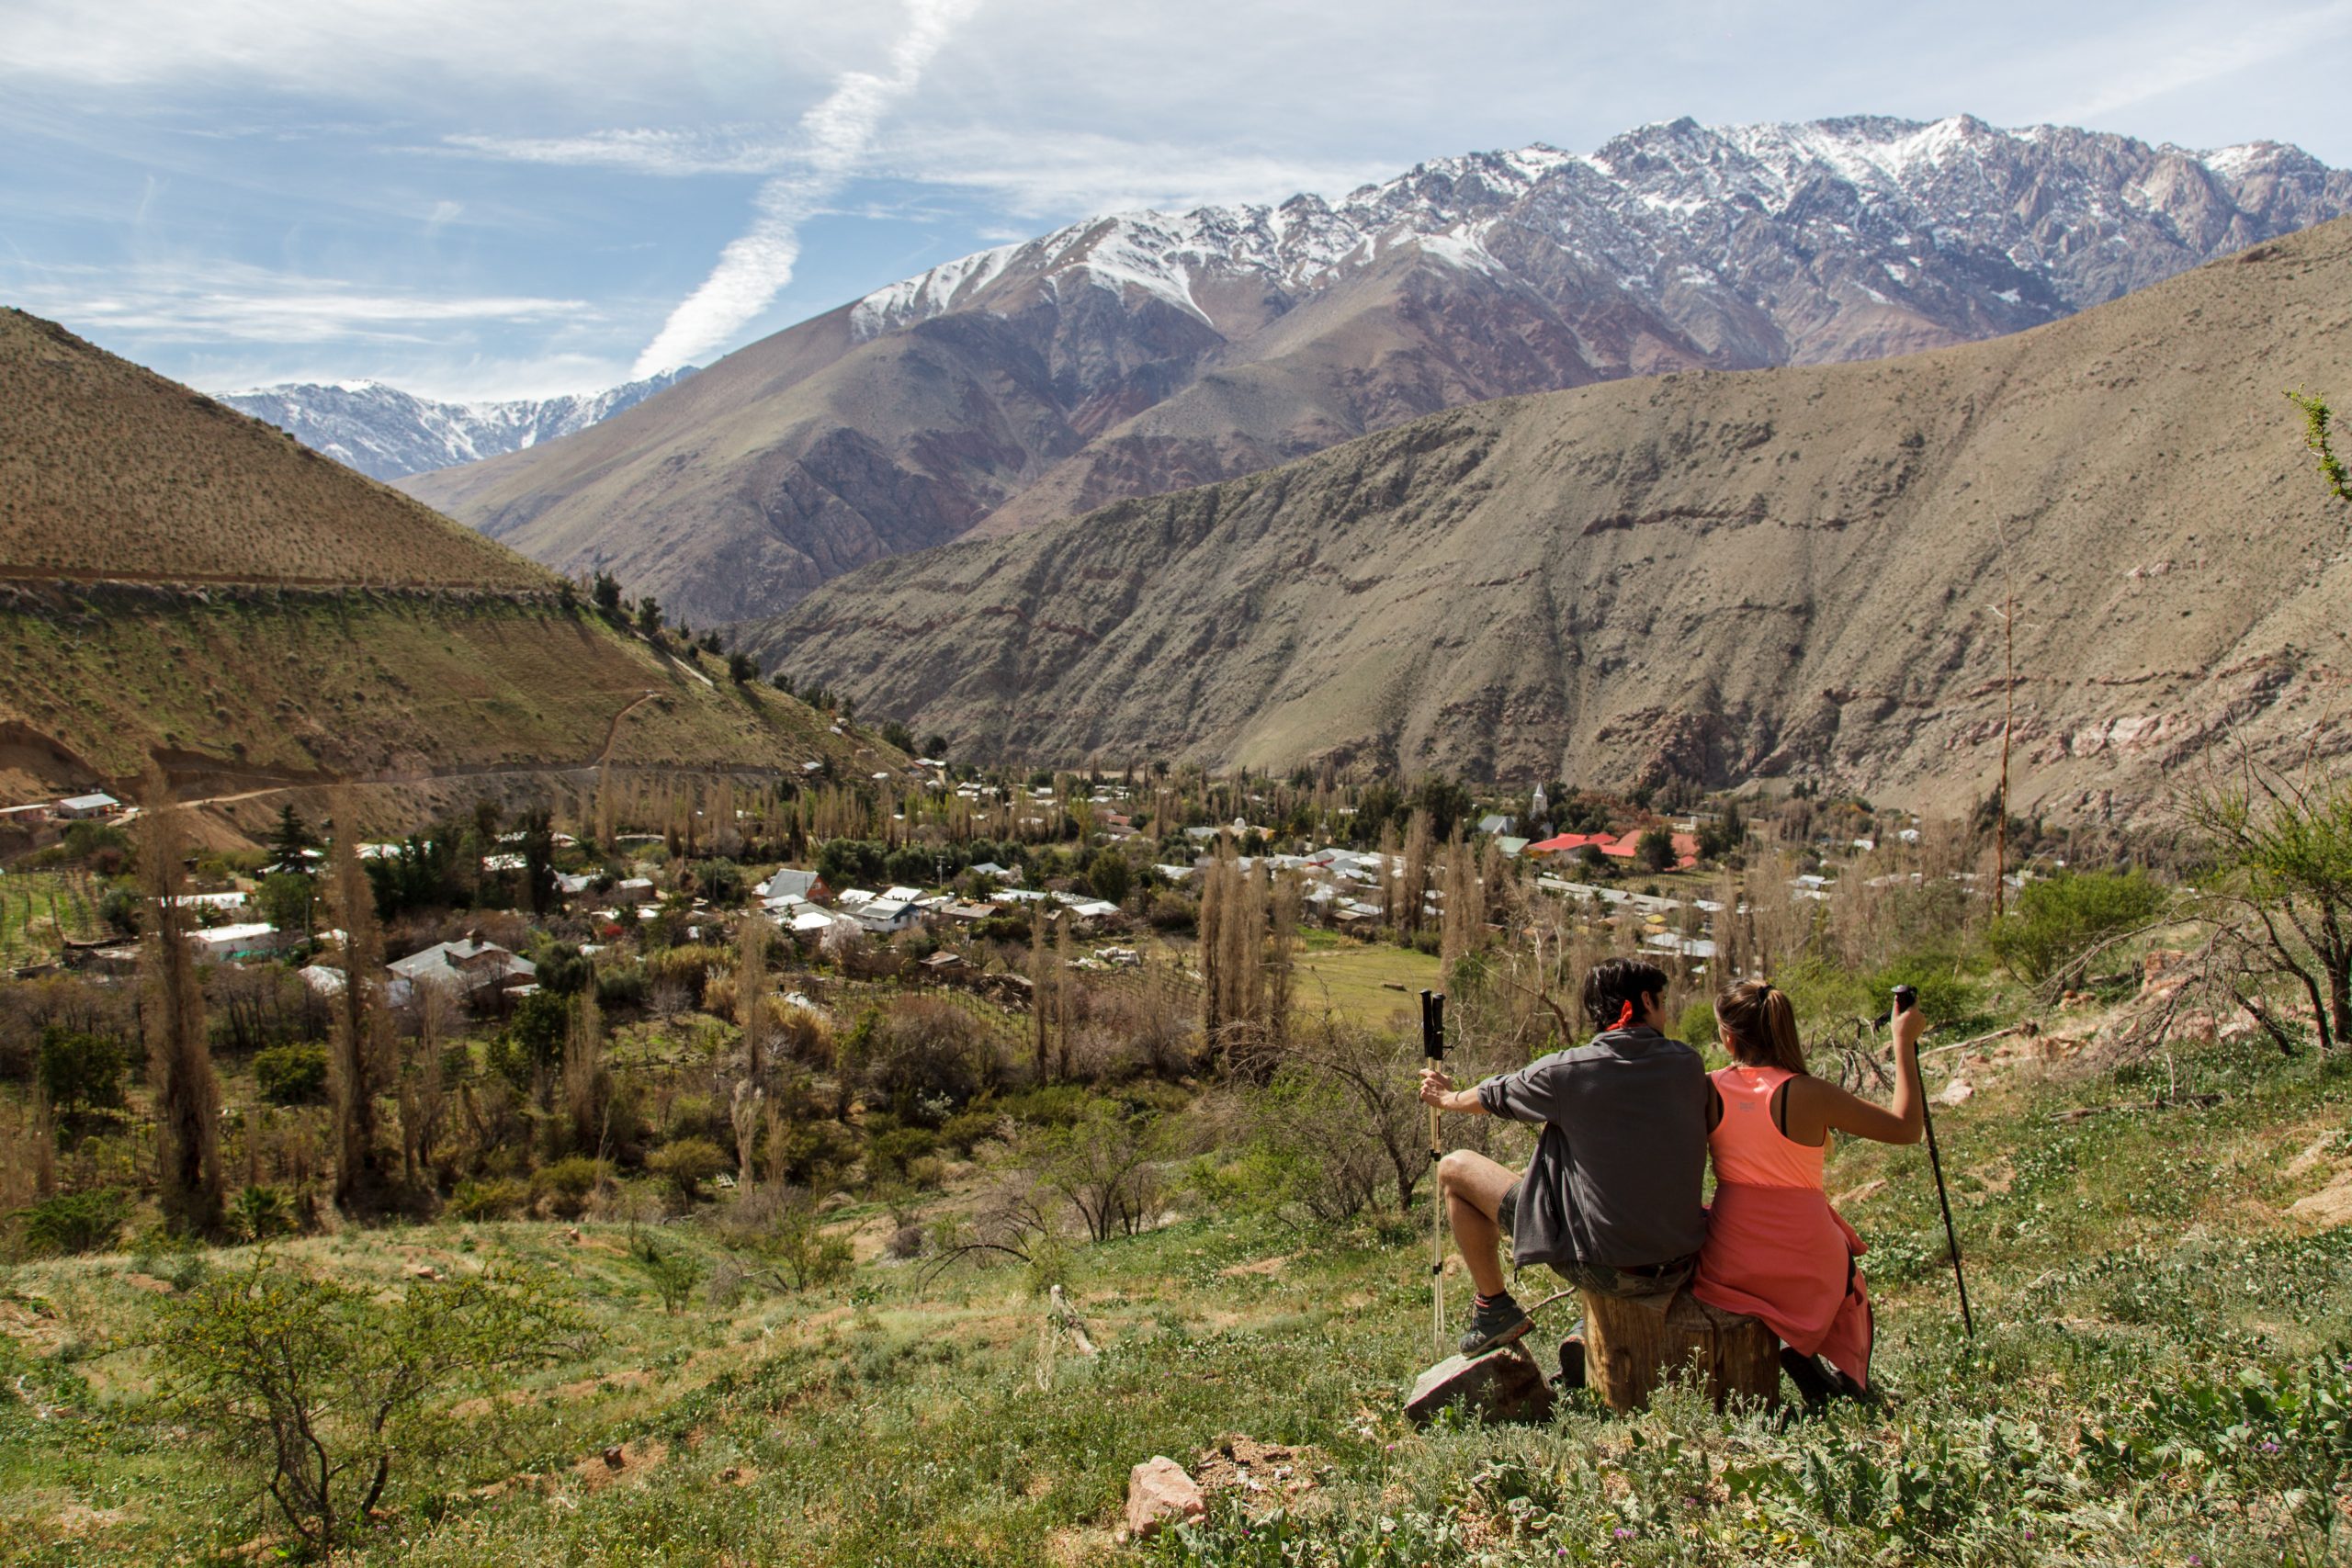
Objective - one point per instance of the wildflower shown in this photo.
(1625, 1534)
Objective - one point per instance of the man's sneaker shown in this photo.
(1494, 1323)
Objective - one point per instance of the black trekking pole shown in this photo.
(1433, 1052)
(1905, 998)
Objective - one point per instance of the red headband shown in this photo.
(1624, 1018)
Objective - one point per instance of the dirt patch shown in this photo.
(2330, 1206)
(1861, 1194)
(635, 1462)
(1272, 1473)
(1264, 1266)
(2319, 1151)
(44, 1334)
(78, 1518)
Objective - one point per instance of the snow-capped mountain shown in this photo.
(1140, 352)
(389, 433)
(1956, 221)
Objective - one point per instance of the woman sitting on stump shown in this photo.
(1775, 1248)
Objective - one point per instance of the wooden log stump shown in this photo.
(1629, 1348)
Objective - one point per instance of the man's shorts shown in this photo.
(1606, 1279)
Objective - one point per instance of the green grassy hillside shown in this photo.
(2157, 1377)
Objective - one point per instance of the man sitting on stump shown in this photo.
(1611, 1199)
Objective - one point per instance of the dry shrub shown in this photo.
(922, 1056)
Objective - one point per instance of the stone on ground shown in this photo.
(1159, 1491)
(1501, 1385)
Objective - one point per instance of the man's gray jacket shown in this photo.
(1616, 1176)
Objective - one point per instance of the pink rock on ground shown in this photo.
(1159, 1491)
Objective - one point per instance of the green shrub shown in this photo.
(257, 1213)
(566, 1182)
(674, 1275)
(74, 1222)
(970, 1127)
(79, 1072)
(889, 1153)
(292, 1075)
(500, 1197)
(687, 1163)
(2057, 920)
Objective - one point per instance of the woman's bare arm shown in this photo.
(1814, 1109)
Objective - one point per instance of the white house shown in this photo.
(78, 807)
(886, 915)
(222, 943)
(465, 967)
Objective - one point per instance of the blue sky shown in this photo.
(506, 197)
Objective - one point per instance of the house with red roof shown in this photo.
(1627, 846)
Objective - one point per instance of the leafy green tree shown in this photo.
(539, 859)
(79, 1072)
(532, 1043)
(935, 746)
(1655, 849)
(292, 1075)
(1110, 876)
(315, 1389)
(688, 1162)
(285, 899)
(898, 735)
(649, 616)
(606, 593)
(2058, 921)
(288, 840)
(742, 669)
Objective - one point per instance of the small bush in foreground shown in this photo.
(317, 1388)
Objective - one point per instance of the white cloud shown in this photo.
(230, 303)
(836, 132)
(2140, 68)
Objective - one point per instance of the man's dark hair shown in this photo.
(1616, 983)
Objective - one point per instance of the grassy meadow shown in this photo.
(2158, 1375)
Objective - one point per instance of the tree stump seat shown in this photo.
(1629, 1348)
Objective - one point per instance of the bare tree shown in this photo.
(583, 1070)
(1282, 971)
(424, 1090)
(180, 1051)
(1414, 896)
(750, 990)
(357, 1033)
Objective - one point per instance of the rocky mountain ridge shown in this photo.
(1139, 355)
(388, 433)
(1794, 573)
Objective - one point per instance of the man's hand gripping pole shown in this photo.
(1433, 1050)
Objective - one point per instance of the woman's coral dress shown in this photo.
(1775, 1248)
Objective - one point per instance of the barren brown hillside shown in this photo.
(107, 470)
(183, 587)
(1139, 353)
(1789, 572)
